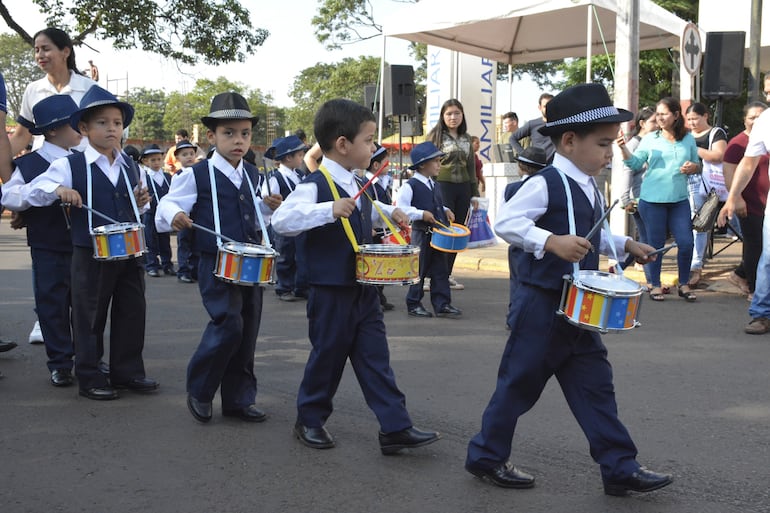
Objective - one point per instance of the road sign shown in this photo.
(691, 48)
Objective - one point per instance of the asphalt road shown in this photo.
(691, 387)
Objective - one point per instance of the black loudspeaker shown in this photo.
(399, 90)
(370, 94)
(723, 66)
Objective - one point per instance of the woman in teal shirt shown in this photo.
(670, 154)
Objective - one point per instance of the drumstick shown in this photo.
(103, 216)
(375, 175)
(598, 224)
(212, 232)
(443, 225)
(662, 250)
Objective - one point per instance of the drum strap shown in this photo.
(396, 233)
(259, 213)
(152, 184)
(131, 192)
(215, 203)
(345, 221)
(90, 192)
(570, 218)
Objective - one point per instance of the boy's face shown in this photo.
(294, 161)
(103, 128)
(357, 153)
(431, 167)
(186, 157)
(592, 152)
(232, 139)
(154, 161)
(64, 136)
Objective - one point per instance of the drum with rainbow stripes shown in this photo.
(245, 264)
(600, 301)
(118, 241)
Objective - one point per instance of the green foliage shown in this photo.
(341, 22)
(19, 69)
(149, 106)
(214, 31)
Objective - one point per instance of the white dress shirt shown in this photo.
(406, 193)
(183, 193)
(41, 191)
(14, 193)
(516, 218)
(291, 177)
(301, 211)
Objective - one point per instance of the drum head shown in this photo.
(115, 228)
(606, 282)
(244, 248)
(387, 249)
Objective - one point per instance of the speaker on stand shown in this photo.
(723, 68)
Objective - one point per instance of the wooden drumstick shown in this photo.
(443, 226)
(103, 216)
(662, 250)
(371, 180)
(212, 232)
(598, 225)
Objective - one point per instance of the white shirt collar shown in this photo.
(51, 152)
(92, 156)
(422, 178)
(586, 182)
(340, 175)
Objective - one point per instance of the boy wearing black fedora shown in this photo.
(158, 257)
(222, 194)
(106, 180)
(546, 218)
(48, 236)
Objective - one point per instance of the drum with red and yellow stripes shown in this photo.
(600, 301)
(118, 241)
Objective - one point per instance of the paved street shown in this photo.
(692, 389)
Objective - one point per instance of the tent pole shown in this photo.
(589, 36)
(380, 103)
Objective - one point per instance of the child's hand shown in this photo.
(17, 221)
(142, 196)
(450, 215)
(181, 221)
(428, 216)
(69, 196)
(400, 217)
(568, 247)
(273, 201)
(343, 207)
(640, 251)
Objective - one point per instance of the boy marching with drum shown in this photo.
(221, 195)
(547, 219)
(345, 319)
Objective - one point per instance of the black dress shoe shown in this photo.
(315, 437)
(410, 438)
(106, 393)
(250, 414)
(185, 279)
(61, 377)
(504, 475)
(419, 311)
(641, 481)
(169, 271)
(138, 385)
(200, 410)
(449, 311)
(154, 273)
(6, 346)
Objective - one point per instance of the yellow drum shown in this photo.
(387, 264)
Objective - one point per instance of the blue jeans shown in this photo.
(760, 305)
(642, 230)
(659, 219)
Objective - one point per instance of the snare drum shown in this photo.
(118, 241)
(387, 264)
(600, 301)
(450, 240)
(245, 264)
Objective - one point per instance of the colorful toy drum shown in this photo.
(600, 301)
(387, 264)
(451, 240)
(118, 241)
(245, 264)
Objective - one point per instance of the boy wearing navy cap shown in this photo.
(185, 153)
(544, 218)
(289, 266)
(345, 319)
(222, 194)
(158, 257)
(421, 192)
(104, 179)
(48, 235)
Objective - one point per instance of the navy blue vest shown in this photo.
(425, 199)
(331, 258)
(549, 271)
(154, 188)
(237, 215)
(284, 188)
(113, 201)
(46, 226)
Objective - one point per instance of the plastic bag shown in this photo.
(478, 223)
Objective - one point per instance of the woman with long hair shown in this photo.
(670, 154)
(55, 55)
(457, 177)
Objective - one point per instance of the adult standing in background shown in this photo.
(457, 177)
(510, 125)
(55, 55)
(531, 129)
(755, 196)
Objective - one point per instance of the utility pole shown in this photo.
(755, 37)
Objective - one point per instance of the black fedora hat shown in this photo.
(228, 106)
(52, 112)
(532, 156)
(580, 105)
(98, 97)
(150, 149)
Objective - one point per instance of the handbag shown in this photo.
(703, 220)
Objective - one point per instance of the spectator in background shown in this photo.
(531, 130)
(476, 144)
(171, 163)
(755, 196)
(510, 125)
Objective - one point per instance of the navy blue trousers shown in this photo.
(51, 275)
(99, 289)
(300, 258)
(347, 323)
(433, 265)
(513, 281)
(158, 245)
(186, 257)
(225, 356)
(542, 344)
(285, 263)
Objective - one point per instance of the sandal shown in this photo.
(688, 295)
(695, 276)
(657, 296)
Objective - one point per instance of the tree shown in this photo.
(149, 106)
(173, 28)
(19, 69)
